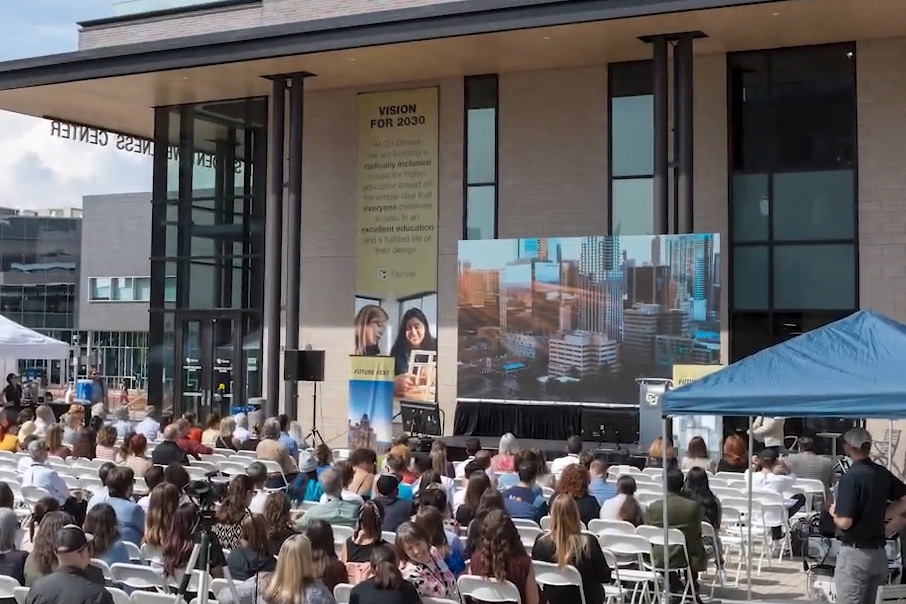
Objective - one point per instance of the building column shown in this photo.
(661, 136)
(273, 248)
(684, 122)
(294, 230)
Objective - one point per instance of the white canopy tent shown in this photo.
(18, 342)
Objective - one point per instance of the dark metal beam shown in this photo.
(294, 231)
(661, 136)
(683, 81)
(273, 248)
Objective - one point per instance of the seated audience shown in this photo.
(697, 455)
(774, 476)
(12, 559)
(364, 464)
(491, 501)
(422, 565)
(233, 510)
(258, 473)
(153, 477)
(9, 441)
(506, 452)
(85, 445)
(566, 545)
(44, 506)
(447, 544)
(285, 439)
(327, 564)
(502, 556)
(169, 451)
(805, 464)
(102, 494)
(271, 448)
(123, 425)
(251, 556)
(44, 419)
(279, 521)
(106, 444)
(241, 432)
(7, 498)
(386, 584)
(395, 510)
(687, 516)
(696, 488)
(105, 544)
(132, 454)
(473, 446)
(212, 430)
(357, 549)
(735, 455)
(187, 443)
(54, 439)
(574, 482)
(334, 510)
(347, 474)
(657, 452)
(624, 506)
(226, 440)
(573, 451)
(324, 456)
(149, 427)
(398, 468)
(42, 561)
(439, 459)
(598, 486)
(129, 515)
(193, 430)
(39, 474)
(163, 503)
(178, 547)
(476, 486)
(73, 578)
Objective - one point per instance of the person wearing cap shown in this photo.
(74, 581)
(396, 510)
(859, 512)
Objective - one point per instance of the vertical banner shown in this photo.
(370, 402)
(709, 427)
(396, 243)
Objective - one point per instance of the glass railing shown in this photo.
(133, 7)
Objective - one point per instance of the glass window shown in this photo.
(481, 133)
(142, 289)
(170, 288)
(814, 205)
(633, 206)
(750, 332)
(814, 276)
(632, 135)
(99, 287)
(751, 207)
(481, 212)
(121, 289)
(750, 277)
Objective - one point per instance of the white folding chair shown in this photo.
(213, 458)
(105, 568)
(31, 495)
(891, 594)
(274, 468)
(140, 487)
(389, 537)
(599, 524)
(551, 574)
(427, 600)
(709, 535)
(218, 585)
(224, 452)
(675, 538)
(647, 498)
(613, 594)
(72, 483)
(92, 484)
(517, 522)
(340, 535)
(233, 468)
(631, 550)
(119, 596)
(206, 465)
(148, 597)
(7, 587)
(21, 594)
(813, 489)
(135, 554)
(528, 535)
(488, 590)
(342, 592)
(137, 576)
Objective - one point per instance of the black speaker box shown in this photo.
(303, 365)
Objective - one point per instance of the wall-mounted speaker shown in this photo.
(303, 365)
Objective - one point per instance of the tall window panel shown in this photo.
(793, 211)
(631, 148)
(480, 161)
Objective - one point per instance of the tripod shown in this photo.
(314, 435)
(204, 538)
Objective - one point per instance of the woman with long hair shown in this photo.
(735, 456)
(106, 445)
(44, 506)
(477, 485)
(566, 545)
(658, 452)
(537, 456)
(226, 440)
(491, 501)
(54, 440)
(624, 506)
(448, 545)
(357, 549)
(12, 558)
(574, 482)
(105, 543)
(502, 557)
(697, 488)
(370, 322)
(212, 429)
(422, 565)
(251, 556)
(414, 333)
(506, 452)
(364, 465)
(178, 546)
(8, 439)
(233, 510)
(696, 455)
(325, 458)
(386, 585)
(279, 521)
(132, 453)
(449, 469)
(328, 566)
(43, 560)
(7, 497)
(85, 442)
(44, 419)
(162, 504)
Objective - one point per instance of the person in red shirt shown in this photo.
(188, 444)
(195, 430)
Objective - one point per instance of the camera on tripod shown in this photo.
(205, 493)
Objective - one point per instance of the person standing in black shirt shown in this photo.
(12, 393)
(859, 512)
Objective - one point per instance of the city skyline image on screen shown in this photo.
(581, 318)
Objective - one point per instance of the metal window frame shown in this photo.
(467, 185)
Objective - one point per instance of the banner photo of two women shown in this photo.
(395, 348)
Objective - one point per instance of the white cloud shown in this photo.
(38, 170)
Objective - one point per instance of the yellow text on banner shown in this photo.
(396, 246)
(684, 374)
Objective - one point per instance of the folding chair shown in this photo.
(7, 587)
(342, 592)
(21, 594)
(119, 596)
(598, 524)
(547, 574)
(675, 538)
(628, 551)
(528, 535)
(137, 576)
(488, 590)
(135, 553)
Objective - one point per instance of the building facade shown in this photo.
(774, 124)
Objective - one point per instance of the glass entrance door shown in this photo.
(209, 347)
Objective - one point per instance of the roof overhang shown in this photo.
(115, 87)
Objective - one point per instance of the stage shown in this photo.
(612, 452)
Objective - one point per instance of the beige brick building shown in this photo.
(555, 64)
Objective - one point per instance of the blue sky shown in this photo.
(36, 170)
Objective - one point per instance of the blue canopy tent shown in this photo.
(851, 368)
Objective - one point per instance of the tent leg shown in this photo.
(890, 447)
(664, 450)
(749, 515)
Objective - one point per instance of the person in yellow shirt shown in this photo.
(8, 440)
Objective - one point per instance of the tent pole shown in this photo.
(749, 515)
(890, 446)
(666, 593)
